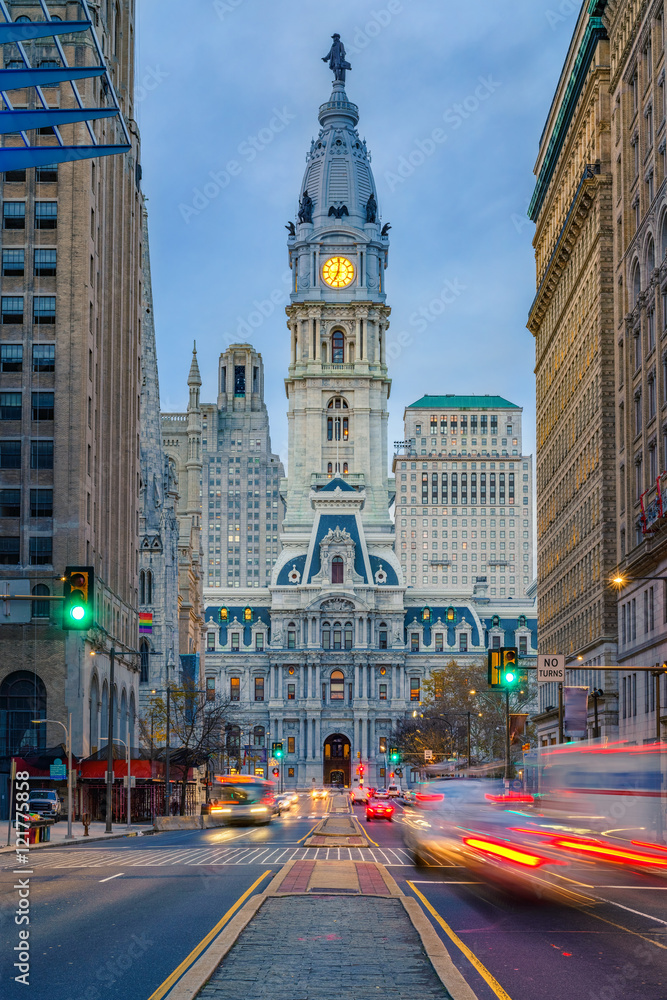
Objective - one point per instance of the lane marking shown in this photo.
(363, 832)
(637, 913)
(621, 928)
(309, 833)
(204, 943)
(112, 876)
(445, 882)
(490, 980)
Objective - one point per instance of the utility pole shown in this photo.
(166, 761)
(109, 828)
(507, 734)
(560, 712)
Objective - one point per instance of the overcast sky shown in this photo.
(240, 82)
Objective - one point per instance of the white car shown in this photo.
(393, 791)
(359, 794)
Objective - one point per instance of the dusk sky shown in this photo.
(239, 82)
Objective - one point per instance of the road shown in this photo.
(113, 921)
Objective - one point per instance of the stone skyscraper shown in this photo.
(70, 381)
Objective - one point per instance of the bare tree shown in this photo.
(196, 730)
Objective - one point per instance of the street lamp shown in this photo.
(117, 739)
(68, 735)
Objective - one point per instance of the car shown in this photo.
(393, 791)
(240, 801)
(379, 810)
(408, 796)
(284, 802)
(380, 793)
(319, 793)
(46, 802)
(359, 794)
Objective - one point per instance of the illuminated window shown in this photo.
(247, 614)
(259, 689)
(415, 689)
(337, 686)
(223, 614)
(234, 688)
(426, 614)
(337, 348)
(291, 744)
(451, 615)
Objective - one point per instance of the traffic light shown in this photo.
(276, 772)
(79, 594)
(509, 670)
(503, 668)
(391, 774)
(277, 751)
(394, 755)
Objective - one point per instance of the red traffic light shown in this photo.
(391, 774)
(276, 771)
(361, 769)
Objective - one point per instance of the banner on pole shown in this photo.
(575, 710)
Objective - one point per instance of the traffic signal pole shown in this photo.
(507, 735)
(112, 657)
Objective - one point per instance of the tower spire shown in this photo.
(194, 377)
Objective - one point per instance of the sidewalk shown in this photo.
(96, 831)
(326, 930)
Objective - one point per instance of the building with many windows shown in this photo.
(241, 507)
(337, 648)
(70, 380)
(464, 495)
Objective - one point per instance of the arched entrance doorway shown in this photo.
(336, 760)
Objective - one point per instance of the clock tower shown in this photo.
(337, 384)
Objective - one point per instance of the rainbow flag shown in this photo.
(145, 622)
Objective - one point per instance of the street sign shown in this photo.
(272, 762)
(58, 769)
(428, 755)
(550, 667)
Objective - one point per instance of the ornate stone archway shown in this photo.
(336, 759)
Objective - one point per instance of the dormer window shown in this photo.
(451, 615)
(336, 570)
(247, 614)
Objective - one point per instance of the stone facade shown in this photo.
(182, 443)
(637, 89)
(240, 477)
(70, 365)
(158, 523)
(461, 461)
(571, 319)
(337, 649)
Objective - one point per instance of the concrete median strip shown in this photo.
(317, 886)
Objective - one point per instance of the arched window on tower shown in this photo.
(336, 570)
(326, 635)
(149, 587)
(345, 469)
(142, 587)
(337, 348)
(337, 686)
(22, 699)
(329, 469)
(144, 651)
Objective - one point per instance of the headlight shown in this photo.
(259, 809)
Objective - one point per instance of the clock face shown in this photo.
(338, 272)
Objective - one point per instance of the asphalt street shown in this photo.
(114, 920)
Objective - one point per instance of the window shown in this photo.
(415, 689)
(10, 405)
(234, 688)
(426, 614)
(41, 503)
(439, 640)
(223, 614)
(44, 309)
(414, 642)
(13, 215)
(43, 357)
(42, 406)
(291, 692)
(45, 263)
(210, 688)
(259, 689)
(337, 348)
(348, 636)
(383, 692)
(233, 734)
(326, 635)
(463, 642)
(259, 642)
(48, 172)
(291, 640)
(46, 215)
(336, 570)
(235, 641)
(291, 744)
(337, 686)
(13, 263)
(40, 609)
(10, 503)
(12, 310)
(247, 614)
(10, 454)
(41, 549)
(523, 645)
(382, 639)
(15, 176)
(10, 549)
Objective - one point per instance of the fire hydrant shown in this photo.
(85, 819)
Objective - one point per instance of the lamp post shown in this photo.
(117, 739)
(68, 736)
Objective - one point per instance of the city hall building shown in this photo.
(337, 647)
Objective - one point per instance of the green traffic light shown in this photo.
(77, 612)
(509, 677)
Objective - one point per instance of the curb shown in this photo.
(80, 840)
(436, 952)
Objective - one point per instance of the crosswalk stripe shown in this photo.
(217, 856)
